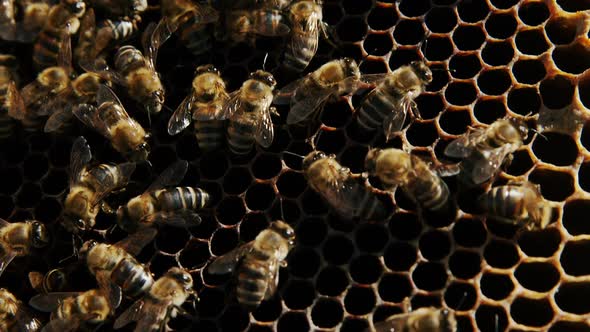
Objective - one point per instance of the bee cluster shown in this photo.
(330, 211)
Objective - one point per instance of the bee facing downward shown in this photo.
(14, 316)
(257, 263)
(19, 238)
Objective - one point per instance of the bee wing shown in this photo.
(153, 38)
(262, 27)
(463, 146)
(394, 122)
(179, 218)
(301, 109)
(64, 56)
(5, 259)
(265, 131)
(486, 168)
(63, 325)
(232, 105)
(284, 95)
(171, 176)
(132, 314)
(25, 320)
(182, 117)
(153, 315)
(112, 292)
(393, 324)
(273, 282)
(79, 158)
(373, 79)
(50, 301)
(56, 120)
(134, 243)
(17, 109)
(108, 184)
(227, 262)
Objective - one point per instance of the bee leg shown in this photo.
(283, 263)
(106, 208)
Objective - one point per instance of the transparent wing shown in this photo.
(182, 117)
(153, 314)
(25, 320)
(179, 218)
(50, 301)
(303, 108)
(264, 130)
(63, 325)
(80, 156)
(134, 243)
(62, 115)
(16, 109)
(464, 145)
(306, 38)
(373, 79)
(154, 37)
(284, 95)
(227, 262)
(262, 27)
(87, 114)
(109, 183)
(232, 105)
(132, 314)
(486, 167)
(113, 292)
(273, 282)
(171, 176)
(5, 259)
(64, 56)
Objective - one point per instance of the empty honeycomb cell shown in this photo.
(354, 324)
(560, 30)
(400, 256)
(378, 43)
(422, 133)
(353, 157)
(455, 122)
(28, 195)
(574, 216)
(574, 5)
(194, 255)
(366, 269)
(313, 203)
(497, 53)
(268, 311)
(565, 326)
(405, 226)
(311, 231)
(260, 196)
(254, 327)
(371, 238)
(237, 180)
(528, 71)
(461, 93)
(223, 240)
(327, 313)
(571, 251)
(331, 142)
(234, 318)
(557, 91)
(230, 210)
(501, 25)
(213, 165)
(293, 322)
(338, 249)
(394, 287)
(524, 101)
(414, 8)
(441, 19)
(408, 32)
(430, 276)
(171, 240)
(488, 110)
(6, 206)
(584, 176)
(574, 297)
(211, 302)
(382, 17)
(573, 58)
(435, 245)
(332, 13)
(531, 312)
(252, 225)
(469, 232)
(383, 312)
(401, 57)
(11, 180)
(486, 317)
(460, 296)
(464, 264)
(298, 295)
(501, 254)
(537, 276)
(540, 243)
(426, 300)
(359, 300)
(440, 78)
(494, 82)
(531, 42)
(55, 182)
(35, 166)
(496, 286)
(291, 184)
(335, 114)
(15, 152)
(473, 11)
(40, 141)
(555, 185)
(352, 29)
(331, 281)
(303, 262)
(533, 13)
(372, 67)
(464, 65)
(439, 48)
(429, 105)
(47, 210)
(160, 263)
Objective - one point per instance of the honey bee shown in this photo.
(70, 311)
(88, 187)
(155, 309)
(399, 168)
(248, 110)
(138, 72)
(243, 25)
(393, 98)
(204, 105)
(420, 320)
(14, 316)
(258, 263)
(8, 92)
(191, 19)
(483, 150)
(115, 268)
(306, 95)
(348, 194)
(62, 21)
(111, 120)
(159, 205)
(521, 205)
(32, 13)
(51, 282)
(306, 19)
(119, 8)
(19, 238)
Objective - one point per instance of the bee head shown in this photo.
(75, 224)
(76, 7)
(422, 71)
(264, 77)
(350, 68)
(371, 160)
(138, 6)
(447, 321)
(39, 235)
(312, 157)
(140, 153)
(284, 230)
(180, 275)
(512, 130)
(206, 69)
(86, 247)
(155, 102)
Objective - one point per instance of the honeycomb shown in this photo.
(490, 59)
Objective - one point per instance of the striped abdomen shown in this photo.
(429, 191)
(132, 277)
(104, 175)
(361, 203)
(376, 107)
(240, 135)
(122, 29)
(127, 59)
(195, 37)
(181, 198)
(209, 134)
(297, 59)
(6, 122)
(47, 48)
(505, 202)
(253, 278)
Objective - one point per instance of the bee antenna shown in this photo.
(168, 108)
(364, 58)
(282, 210)
(497, 323)
(149, 118)
(539, 133)
(462, 301)
(264, 61)
(74, 249)
(294, 154)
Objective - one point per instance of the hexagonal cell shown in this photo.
(400, 256)
(171, 240)
(269, 310)
(488, 110)
(524, 101)
(359, 300)
(402, 57)
(430, 105)
(555, 185)
(501, 254)
(395, 287)
(338, 249)
(371, 238)
(441, 20)
(439, 48)
(461, 93)
(464, 65)
(327, 313)
(561, 30)
(531, 42)
(529, 71)
(540, 243)
(469, 232)
(422, 133)
(366, 269)
(260, 196)
(531, 312)
(455, 122)
(494, 82)
(230, 210)
(465, 264)
(352, 29)
(460, 296)
(573, 6)
(408, 32)
(293, 321)
(378, 43)
(303, 262)
(569, 258)
(382, 17)
(537, 276)
(533, 13)
(572, 58)
(414, 8)
(237, 180)
(405, 226)
(497, 53)
(473, 11)
(331, 281)
(223, 240)
(430, 276)
(573, 216)
(501, 25)
(195, 254)
(557, 91)
(496, 286)
(486, 317)
(435, 245)
(298, 294)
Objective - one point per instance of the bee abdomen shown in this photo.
(46, 49)
(209, 134)
(505, 202)
(183, 198)
(122, 29)
(298, 59)
(195, 37)
(433, 194)
(252, 282)
(375, 109)
(240, 138)
(128, 58)
(131, 277)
